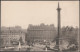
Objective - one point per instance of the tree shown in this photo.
(70, 33)
(1, 41)
(14, 42)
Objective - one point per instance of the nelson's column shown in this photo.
(59, 27)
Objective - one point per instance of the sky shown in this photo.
(23, 13)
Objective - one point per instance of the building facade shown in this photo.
(10, 35)
(41, 32)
